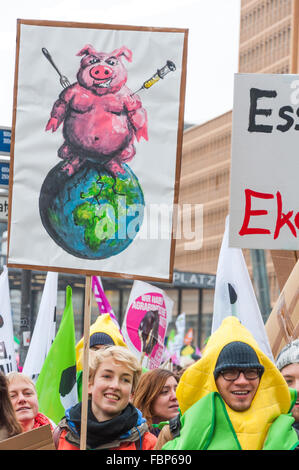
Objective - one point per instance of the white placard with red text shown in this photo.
(264, 203)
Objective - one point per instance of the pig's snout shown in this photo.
(101, 72)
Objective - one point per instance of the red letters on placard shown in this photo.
(281, 218)
(245, 230)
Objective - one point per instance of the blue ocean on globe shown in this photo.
(91, 214)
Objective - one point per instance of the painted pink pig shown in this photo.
(101, 115)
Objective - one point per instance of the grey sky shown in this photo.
(212, 50)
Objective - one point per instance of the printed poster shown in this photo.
(96, 145)
(145, 324)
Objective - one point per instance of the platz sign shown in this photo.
(264, 202)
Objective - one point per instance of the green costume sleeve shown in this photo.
(281, 435)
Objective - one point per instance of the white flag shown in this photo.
(234, 294)
(44, 329)
(180, 325)
(7, 351)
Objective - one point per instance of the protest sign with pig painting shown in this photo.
(92, 106)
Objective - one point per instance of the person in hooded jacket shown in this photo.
(287, 362)
(233, 398)
(113, 423)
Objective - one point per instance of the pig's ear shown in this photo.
(123, 51)
(87, 50)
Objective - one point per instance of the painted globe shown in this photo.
(91, 214)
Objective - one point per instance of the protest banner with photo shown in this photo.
(283, 323)
(7, 346)
(144, 327)
(89, 158)
(264, 212)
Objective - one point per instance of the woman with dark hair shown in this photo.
(9, 425)
(155, 397)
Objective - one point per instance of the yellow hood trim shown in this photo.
(272, 398)
(103, 324)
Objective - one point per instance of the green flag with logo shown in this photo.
(56, 385)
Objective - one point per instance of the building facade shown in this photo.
(265, 47)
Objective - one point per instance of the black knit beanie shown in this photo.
(100, 339)
(237, 355)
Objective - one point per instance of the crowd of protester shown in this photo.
(232, 398)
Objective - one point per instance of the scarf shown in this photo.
(41, 420)
(99, 433)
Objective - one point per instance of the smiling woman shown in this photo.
(24, 399)
(113, 422)
(155, 396)
(111, 386)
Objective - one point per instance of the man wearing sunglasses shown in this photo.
(233, 398)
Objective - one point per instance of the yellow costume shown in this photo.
(272, 399)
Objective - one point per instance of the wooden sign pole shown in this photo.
(87, 316)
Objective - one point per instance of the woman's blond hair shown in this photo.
(19, 375)
(118, 354)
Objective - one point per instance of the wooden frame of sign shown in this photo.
(180, 122)
(89, 272)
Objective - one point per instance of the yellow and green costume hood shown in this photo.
(103, 324)
(209, 423)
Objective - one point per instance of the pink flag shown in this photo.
(175, 360)
(102, 301)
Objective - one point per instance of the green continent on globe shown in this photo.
(100, 215)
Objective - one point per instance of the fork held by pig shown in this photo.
(101, 116)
